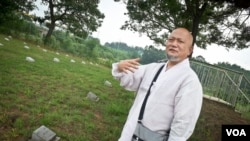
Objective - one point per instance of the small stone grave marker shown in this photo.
(44, 134)
(26, 47)
(107, 83)
(56, 60)
(92, 96)
(29, 59)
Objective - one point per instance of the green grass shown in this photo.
(54, 94)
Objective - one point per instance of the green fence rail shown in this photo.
(224, 85)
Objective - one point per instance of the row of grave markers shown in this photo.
(55, 59)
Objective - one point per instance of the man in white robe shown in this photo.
(175, 99)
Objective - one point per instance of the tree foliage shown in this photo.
(234, 67)
(210, 21)
(152, 54)
(133, 52)
(10, 8)
(13, 12)
(80, 17)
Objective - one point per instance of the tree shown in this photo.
(11, 10)
(79, 17)
(210, 21)
(89, 50)
(151, 54)
(200, 58)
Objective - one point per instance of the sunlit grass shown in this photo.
(54, 94)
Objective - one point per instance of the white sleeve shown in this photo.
(130, 81)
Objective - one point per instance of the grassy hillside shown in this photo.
(53, 94)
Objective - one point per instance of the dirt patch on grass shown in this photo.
(213, 116)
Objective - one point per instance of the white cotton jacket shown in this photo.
(174, 103)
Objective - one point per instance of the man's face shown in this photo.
(179, 45)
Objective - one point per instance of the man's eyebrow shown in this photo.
(175, 38)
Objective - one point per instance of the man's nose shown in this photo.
(173, 43)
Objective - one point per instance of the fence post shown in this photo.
(236, 94)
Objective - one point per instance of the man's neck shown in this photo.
(171, 64)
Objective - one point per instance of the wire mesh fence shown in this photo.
(224, 85)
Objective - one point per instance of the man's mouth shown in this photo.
(173, 50)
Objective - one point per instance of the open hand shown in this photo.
(128, 65)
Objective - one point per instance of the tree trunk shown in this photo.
(52, 24)
(49, 33)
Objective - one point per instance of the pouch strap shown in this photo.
(147, 95)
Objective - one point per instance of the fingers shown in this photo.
(133, 65)
(135, 61)
(128, 65)
(129, 69)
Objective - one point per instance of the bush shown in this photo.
(53, 43)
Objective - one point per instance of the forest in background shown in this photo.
(16, 23)
(65, 28)
(90, 48)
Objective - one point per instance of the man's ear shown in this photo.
(190, 51)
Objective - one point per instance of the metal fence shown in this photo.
(224, 85)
